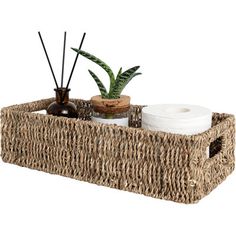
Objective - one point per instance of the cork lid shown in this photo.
(110, 106)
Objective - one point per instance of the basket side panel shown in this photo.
(222, 144)
(9, 131)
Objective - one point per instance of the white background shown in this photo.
(187, 53)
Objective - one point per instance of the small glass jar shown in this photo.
(62, 106)
(111, 111)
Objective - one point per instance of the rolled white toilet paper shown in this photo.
(176, 118)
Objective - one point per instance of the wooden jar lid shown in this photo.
(110, 106)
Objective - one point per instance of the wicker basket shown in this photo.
(156, 164)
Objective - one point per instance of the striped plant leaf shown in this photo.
(130, 71)
(100, 85)
(118, 90)
(122, 80)
(131, 77)
(100, 63)
(119, 72)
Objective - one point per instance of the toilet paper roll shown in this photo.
(176, 118)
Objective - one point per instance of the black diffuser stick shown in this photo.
(48, 60)
(80, 46)
(63, 60)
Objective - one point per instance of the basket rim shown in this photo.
(22, 109)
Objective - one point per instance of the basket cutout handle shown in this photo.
(216, 147)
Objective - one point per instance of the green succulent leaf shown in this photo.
(122, 80)
(100, 63)
(100, 85)
(119, 72)
(130, 71)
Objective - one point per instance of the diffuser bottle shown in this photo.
(62, 106)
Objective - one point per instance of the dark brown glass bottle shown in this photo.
(62, 106)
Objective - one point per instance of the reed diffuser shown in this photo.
(62, 106)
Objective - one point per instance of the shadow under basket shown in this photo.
(157, 164)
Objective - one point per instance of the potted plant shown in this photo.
(110, 107)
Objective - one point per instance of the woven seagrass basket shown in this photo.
(156, 164)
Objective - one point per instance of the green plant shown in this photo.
(117, 84)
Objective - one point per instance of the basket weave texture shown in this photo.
(157, 164)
